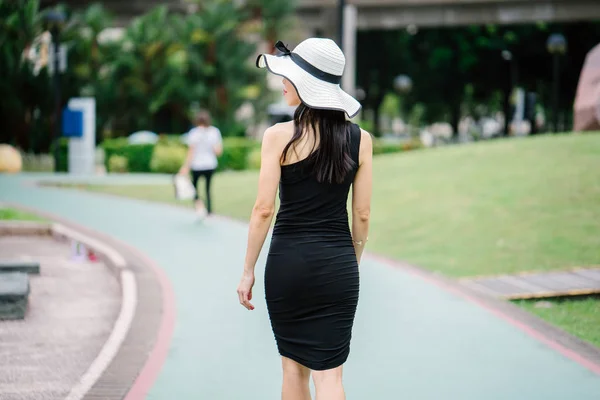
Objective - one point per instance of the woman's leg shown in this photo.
(296, 378)
(328, 384)
(198, 203)
(208, 175)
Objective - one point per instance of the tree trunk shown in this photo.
(455, 119)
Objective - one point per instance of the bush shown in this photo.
(63, 154)
(236, 152)
(386, 147)
(38, 162)
(117, 164)
(167, 159)
(253, 161)
(171, 153)
(138, 155)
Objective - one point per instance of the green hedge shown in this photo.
(236, 152)
(386, 147)
(63, 154)
(138, 155)
(170, 151)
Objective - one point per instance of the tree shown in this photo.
(23, 94)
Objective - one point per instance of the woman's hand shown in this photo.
(184, 170)
(244, 290)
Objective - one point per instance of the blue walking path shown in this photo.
(412, 339)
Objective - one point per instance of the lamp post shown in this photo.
(341, 6)
(403, 85)
(508, 56)
(54, 21)
(557, 46)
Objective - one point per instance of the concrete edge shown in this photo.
(28, 228)
(124, 319)
(579, 351)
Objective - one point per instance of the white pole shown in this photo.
(349, 78)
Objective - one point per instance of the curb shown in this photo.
(124, 319)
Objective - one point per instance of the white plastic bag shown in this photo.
(184, 189)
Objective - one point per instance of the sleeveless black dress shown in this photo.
(311, 275)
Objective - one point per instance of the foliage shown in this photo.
(382, 146)
(235, 153)
(138, 155)
(580, 316)
(117, 163)
(38, 162)
(454, 69)
(169, 153)
(167, 159)
(165, 66)
(10, 214)
(62, 164)
(253, 161)
(23, 94)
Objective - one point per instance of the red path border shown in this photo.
(149, 373)
(553, 344)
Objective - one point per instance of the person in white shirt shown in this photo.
(205, 145)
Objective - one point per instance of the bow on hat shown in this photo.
(283, 48)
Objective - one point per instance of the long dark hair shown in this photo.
(331, 160)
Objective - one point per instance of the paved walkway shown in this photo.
(412, 339)
(72, 308)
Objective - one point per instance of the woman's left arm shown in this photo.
(263, 210)
(218, 146)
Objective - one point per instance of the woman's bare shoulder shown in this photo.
(281, 132)
(366, 143)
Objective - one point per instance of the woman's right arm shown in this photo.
(185, 168)
(361, 195)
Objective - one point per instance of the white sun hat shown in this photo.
(315, 68)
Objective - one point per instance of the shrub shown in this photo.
(386, 147)
(253, 161)
(117, 164)
(167, 159)
(138, 155)
(38, 162)
(235, 153)
(62, 164)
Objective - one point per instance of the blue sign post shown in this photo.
(72, 123)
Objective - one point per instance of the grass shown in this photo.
(578, 316)
(9, 214)
(488, 208)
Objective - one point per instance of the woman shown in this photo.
(311, 275)
(205, 145)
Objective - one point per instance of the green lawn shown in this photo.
(578, 316)
(493, 207)
(16, 215)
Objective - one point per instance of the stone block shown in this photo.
(14, 293)
(28, 267)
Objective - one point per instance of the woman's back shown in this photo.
(307, 205)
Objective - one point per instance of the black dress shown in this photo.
(311, 276)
